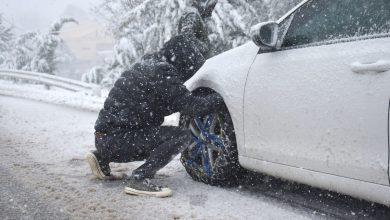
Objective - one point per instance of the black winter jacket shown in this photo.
(153, 88)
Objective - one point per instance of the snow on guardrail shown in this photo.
(70, 99)
(51, 80)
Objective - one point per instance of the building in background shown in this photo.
(89, 43)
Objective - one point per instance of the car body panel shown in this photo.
(226, 74)
(327, 127)
(306, 108)
(360, 189)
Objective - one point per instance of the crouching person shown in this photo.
(129, 128)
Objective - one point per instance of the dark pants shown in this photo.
(157, 145)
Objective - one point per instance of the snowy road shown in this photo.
(44, 176)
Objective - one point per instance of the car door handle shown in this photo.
(377, 66)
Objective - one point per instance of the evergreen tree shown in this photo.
(6, 38)
(95, 75)
(24, 51)
(142, 26)
(36, 52)
(45, 58)
(139, 27)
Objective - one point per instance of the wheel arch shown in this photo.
(226, 74)
(231, 108)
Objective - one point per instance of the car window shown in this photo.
(324, 20)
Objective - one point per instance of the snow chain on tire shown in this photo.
(225, 169)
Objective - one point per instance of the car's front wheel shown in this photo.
(212, 156)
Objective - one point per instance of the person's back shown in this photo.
(145, 93)
(129, 104)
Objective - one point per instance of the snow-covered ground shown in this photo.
(44, 175)
(43, 147)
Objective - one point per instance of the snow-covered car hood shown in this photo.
(226, 75)
(225, 67)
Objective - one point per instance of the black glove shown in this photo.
(215, 101)
(205, 8)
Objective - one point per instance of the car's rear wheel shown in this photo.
(212, 156)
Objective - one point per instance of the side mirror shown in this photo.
(265, 34)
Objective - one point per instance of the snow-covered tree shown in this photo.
(142, 26)
(139, 27)
(24, 51)
(6, 38)
(95, 75)
(45, 58)
(35, 51)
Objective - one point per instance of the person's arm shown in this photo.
(179, 99)
(192, 25)
(191, 105)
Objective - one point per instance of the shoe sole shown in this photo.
(94, 165)
(165, 192)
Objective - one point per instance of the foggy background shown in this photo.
(88, 43)
(32, 15)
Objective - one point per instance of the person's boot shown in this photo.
(205, 8)
(143, 187)
(100, 168)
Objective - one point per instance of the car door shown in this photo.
(320, 102)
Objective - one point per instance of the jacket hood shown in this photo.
(185, 54)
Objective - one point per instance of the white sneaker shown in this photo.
(96, 167)
(143, 187)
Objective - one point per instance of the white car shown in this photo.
(307, 101)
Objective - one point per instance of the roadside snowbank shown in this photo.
(63, 97)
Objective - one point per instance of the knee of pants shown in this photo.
(183, 134)
(185, 138)
(107, 148)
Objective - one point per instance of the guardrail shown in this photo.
(51, 80)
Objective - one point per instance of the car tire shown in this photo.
(212, 156)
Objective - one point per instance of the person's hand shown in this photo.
(208, 8)
(205, 8)
(216, 100)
